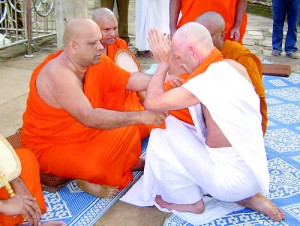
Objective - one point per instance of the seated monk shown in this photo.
(76, 122)
(28, 203)
(215, 24)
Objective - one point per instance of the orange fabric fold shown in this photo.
(132, 101)
(66, 148)
(184, 114)
(235, 51)
(191, 9)
(111, 49)
(31, 176)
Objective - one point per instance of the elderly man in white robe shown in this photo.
(223, 154)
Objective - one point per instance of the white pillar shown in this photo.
(65, 11)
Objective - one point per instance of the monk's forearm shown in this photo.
(240, 11)
(138, 81)
(108, 119)
(156, 87)
(174, 10)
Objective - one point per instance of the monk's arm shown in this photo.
(174, 10)
(138, 81)
(239, 14)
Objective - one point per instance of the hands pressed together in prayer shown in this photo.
(160, 46)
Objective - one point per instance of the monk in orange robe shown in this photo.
(233, 12)
(75, 121)
(26, 187)
(215, 24)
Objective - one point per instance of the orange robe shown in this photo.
(235, 51)
(184, 114)
(132, 102)
(66, 148)
(31, 176)
(111, 49)
(191, 9)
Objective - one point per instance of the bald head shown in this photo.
(78, 28)
(213, 21)
(195, 35)
(108, 25)
(103, 14)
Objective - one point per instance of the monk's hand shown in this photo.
(235, 34)
(154, 118)
(160, 46)
(23, 205)
(175, 80)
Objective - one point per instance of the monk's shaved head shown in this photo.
(77, 28)
(195, 35)
(213, 21)
(103, 13)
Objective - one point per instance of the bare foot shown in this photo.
(197, 207)
(54, 223)
(262, 204)
(100, 191)
(140, 166)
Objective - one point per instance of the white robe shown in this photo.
(150, 14)
(179, 166)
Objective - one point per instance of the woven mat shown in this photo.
(282, 143)
(75, 207)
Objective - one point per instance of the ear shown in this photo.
(73, 46)
(191, 51)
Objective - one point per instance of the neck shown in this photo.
(78, 70)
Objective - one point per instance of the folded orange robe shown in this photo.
(235, 51)
(30, 174)
(132, 102)
(66, 148)
(184, 114)
(191, 9)
(111, 49)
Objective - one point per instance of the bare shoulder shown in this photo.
(240, 68)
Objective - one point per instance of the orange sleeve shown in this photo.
(31, 176)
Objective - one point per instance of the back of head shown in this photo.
(196, 36)
(101, 14)
(215, 24)
(213, 21)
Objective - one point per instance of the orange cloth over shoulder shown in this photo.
(66, 148)
(235, 51)
(111, 49)
(184, 114)
(191, 9)
(31, 176)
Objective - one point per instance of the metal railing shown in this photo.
(23, 21)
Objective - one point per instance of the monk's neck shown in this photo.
(78, 70)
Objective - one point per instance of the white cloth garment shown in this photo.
(150, 14)
(179, 166)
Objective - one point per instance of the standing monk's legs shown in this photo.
(262, 204)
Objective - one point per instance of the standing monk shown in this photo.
(75, 121)
(233, 12)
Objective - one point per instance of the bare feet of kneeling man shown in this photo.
(100, 191)
(197, 207)
(262, 204)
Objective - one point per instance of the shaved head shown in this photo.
(213, 21)
(78, 28)
(103, 13)
(191, 45)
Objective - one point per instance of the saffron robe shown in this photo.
(191, 9)
(180, 168)
(111, 49)
(66, 148)
(132, 100)
(30, 175)
(235, 51)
